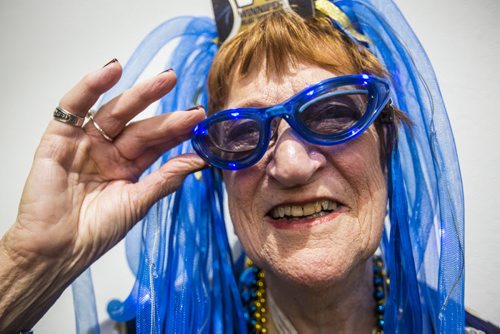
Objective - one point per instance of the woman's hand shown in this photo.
(83, 194)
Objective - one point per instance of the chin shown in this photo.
(312, 269)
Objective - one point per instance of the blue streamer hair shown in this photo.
(180, 292)
(423, 245)
(180, 253)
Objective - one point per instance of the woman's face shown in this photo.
(345, 183)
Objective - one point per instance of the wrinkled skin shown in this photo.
(326, 253)
(83, 195)
(294, 171)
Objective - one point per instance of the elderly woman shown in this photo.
(308, 212)
(303, 132)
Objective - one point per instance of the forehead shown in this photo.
(259, 90)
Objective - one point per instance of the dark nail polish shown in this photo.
(195, 107)
(167, 70)
(114, 60)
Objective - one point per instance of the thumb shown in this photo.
(164, 181)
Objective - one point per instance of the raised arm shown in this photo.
(83, 194)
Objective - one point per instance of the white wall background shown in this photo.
(46, 46)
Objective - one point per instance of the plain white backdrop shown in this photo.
(46, 46)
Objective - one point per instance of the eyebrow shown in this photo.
(251, 103)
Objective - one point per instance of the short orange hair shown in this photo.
(279, 41)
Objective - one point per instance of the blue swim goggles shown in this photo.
(327, 113)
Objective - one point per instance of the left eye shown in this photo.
(331, 115)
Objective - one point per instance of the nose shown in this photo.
(294, 161)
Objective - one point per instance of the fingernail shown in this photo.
(114, 60)
(167, 70)
(195, 107)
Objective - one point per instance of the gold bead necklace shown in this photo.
(253, 294)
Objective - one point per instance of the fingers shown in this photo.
(114, 115)
(84, 95)
(158, 134)
(165, 180)
(77, 101)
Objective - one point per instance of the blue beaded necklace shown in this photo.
(253, 295)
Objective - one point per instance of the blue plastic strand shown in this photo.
(426, 187)
(85, 306)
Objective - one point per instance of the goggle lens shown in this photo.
(335, 111)
(233, 139)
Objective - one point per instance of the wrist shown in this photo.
(32, 244)
(29, 285)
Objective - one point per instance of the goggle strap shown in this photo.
(387, 114)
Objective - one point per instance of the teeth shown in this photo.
(288, 210)
(308, 209)
(297, 211)
(281, 211)
(317, 207)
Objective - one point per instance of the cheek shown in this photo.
(358, 163)
(242, 189)
(367, 179)
(362, 169)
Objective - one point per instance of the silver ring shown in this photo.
(64, 116)
(90, 115)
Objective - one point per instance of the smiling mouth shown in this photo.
(291, 213)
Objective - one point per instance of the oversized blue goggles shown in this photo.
(327, 113)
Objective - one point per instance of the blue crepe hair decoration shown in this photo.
(424, 243)
(180, 252)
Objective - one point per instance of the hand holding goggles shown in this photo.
(327, 113)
